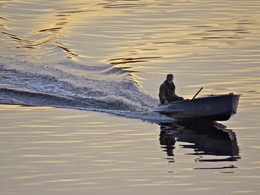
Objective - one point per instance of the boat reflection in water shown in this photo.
(209, 139)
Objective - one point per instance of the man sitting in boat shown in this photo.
(167, 91)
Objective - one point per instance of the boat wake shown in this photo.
(67, 84)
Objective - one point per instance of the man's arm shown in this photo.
(162, 96)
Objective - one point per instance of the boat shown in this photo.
(212, 108)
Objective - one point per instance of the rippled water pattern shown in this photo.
(111, 56)
(60, 152)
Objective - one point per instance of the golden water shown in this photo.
(210, 44)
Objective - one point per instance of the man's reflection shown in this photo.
(206, 138)
(167, 142)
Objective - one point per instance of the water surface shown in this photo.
(70, 58)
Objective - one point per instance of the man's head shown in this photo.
(169, 78)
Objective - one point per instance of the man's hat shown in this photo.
(169, 76)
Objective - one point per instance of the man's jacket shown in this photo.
(167, 91)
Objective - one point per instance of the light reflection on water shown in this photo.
(73, 151)
(200, 42)
(204, 43)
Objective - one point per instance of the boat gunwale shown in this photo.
(200, 98)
